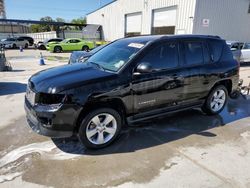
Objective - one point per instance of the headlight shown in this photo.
(45, 98)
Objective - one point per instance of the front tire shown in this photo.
(216, 100)
(100, 128)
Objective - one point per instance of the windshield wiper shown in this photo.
(97, 65)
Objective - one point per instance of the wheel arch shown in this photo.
(57, 46)
(227, 83)
(114, 103)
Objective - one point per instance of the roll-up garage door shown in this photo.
(133, 24)
(164, 21)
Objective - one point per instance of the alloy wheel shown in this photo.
(218, 100)
(101, 128)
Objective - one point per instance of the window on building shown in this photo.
(164, 21)
(133, 25)
(164, 56)
(193, 53)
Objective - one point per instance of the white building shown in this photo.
(229, 19)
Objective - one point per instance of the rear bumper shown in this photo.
(56, 124)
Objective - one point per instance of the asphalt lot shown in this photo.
(187, 149)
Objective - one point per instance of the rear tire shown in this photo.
(85, 48)
(100, 128)
(58, 49)
(14, 46)
(26, 46)
(216, 100)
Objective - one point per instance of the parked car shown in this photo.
(235, 47)
(245, 53)
(29, 39)
(82, 56)
(15, 43)
(42, 45)
(131, 80)
(72, 44)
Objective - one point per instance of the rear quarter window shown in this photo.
(216, 49)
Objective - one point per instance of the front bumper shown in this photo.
(55, 124)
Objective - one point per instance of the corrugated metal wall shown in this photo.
(227, 18)
(112, 17)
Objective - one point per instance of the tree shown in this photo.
(80, 20)
(60, 20)
(46, 27)
(35, 28)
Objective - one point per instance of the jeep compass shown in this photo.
(130, 80)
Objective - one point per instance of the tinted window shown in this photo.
(74, 41)
(216, 47)
(236, 46)
(247, 46)
(206, 54)
(20, 39)
(163, 56)
(193, 53)
(115, 55)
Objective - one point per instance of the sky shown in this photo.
(35, 9)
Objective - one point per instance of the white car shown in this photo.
(15, 43)
(245, 53)
(235, 47)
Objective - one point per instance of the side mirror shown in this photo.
(144, 68)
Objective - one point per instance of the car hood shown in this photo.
(66, 77)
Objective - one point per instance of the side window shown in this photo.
(247, 46)
(207, 58)
(236, 46)
(74, 41)
(163, 56)
(193, 52)
(216, 48)
(20, 39)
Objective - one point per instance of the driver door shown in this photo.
(164, 85)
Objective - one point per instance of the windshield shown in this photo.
(10, 39)
(114, 56)
(97, 49)
(65, 40)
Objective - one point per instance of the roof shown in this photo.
(101, 7)
(155, 37)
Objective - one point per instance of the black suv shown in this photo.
(130, 80)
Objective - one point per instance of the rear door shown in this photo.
(164, 86)
(193, 62)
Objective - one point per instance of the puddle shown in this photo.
(14, 163)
